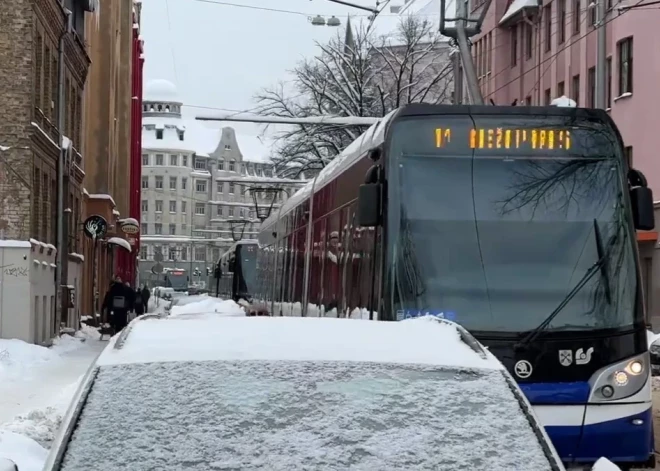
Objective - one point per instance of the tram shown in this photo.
(518, 223)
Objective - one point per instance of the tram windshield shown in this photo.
(493, 221)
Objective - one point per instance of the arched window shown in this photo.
(221, 164)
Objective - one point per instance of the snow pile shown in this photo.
(42, 424)
(207, 305)
(88, 332)
(652, 337)
(603, 464)
(25, 452)
(18, 358)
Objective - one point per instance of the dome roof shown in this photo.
(161, 90)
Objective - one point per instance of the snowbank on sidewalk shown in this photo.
(25, 452)
(42, 424)
(207, 305)
(19, 358)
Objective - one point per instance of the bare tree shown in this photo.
(359, 75)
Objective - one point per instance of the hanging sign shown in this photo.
(95, 227)
(129, 227)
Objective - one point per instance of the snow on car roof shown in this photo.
(203, 337)
(290, 415)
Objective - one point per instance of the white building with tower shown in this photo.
(198, 184)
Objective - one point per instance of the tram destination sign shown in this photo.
(496, 137)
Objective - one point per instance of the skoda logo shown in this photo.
(523, 369)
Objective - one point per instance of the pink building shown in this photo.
(533, 52)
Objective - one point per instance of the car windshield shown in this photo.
(301, 415)
(495, 239)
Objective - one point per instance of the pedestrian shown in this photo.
(138, 303)
(116, 304)
(146, 294)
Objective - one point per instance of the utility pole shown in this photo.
(61, 302)
(458, 78)
(464, 47)
(464, 29)
(601, 55)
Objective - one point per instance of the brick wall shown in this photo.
(16, 84)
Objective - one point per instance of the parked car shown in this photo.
(206, 391)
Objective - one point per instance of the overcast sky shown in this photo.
(220, 53)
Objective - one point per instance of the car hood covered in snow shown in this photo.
(284, 415)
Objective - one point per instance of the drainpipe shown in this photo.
(538, 57)
(61, 303)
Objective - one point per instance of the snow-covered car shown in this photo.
(206, 391)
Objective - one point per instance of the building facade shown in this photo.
(196, 188)
(45, 65)
(109, 145)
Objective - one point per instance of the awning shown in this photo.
(516, 7)
(120, 242)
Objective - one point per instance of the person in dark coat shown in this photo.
(146, 294)
(117, 304)
(138, 303)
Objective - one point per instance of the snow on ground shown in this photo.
(37, 383)
(206, 305)
(25, 452)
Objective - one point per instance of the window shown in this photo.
(183, 253)
(172, 183)
(547, 97)
(232, 165)
(159, 183)
(547, 20)
(159, 228)
(231, 212)
(561, 89)
(576, 17)
(172, 206)
(628, 154)
(143, 252)
(180, 133)
(220, 187)
(514, 45)
(593, 19)
(174, 160)
(227, 146)
(561, 21)
(184, 228)
(159, 134)
(184, 160)
(216, 253)
(575, 89)
(200, 186)
(591, 92)
(144, 229)
(145, 182)
(145, 159)
(200, 164)
(608, 83)
(171, 253)
(159, 159)
(625, 53)
(251, 215)
(145, 206)
(159, 206)
(231, 188)
(172, 229)
(528, 101)
(200, 209)
(184, 207)
(529, 40)
(219, 211)
(221, 164)
(200, 254)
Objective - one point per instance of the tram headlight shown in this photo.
(620, 380)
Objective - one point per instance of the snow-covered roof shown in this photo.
(516, 7)
(422, 341)
(197, 137)
(161, 90)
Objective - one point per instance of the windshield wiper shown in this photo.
(603, 266)
(589, 274)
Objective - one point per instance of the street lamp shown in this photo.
(237, 227)
(268, 194)
(318, 20)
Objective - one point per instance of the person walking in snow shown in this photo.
(146, 294)
(116, 304)
(138, 303)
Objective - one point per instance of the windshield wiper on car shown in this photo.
(603, 266)
(597, 267)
